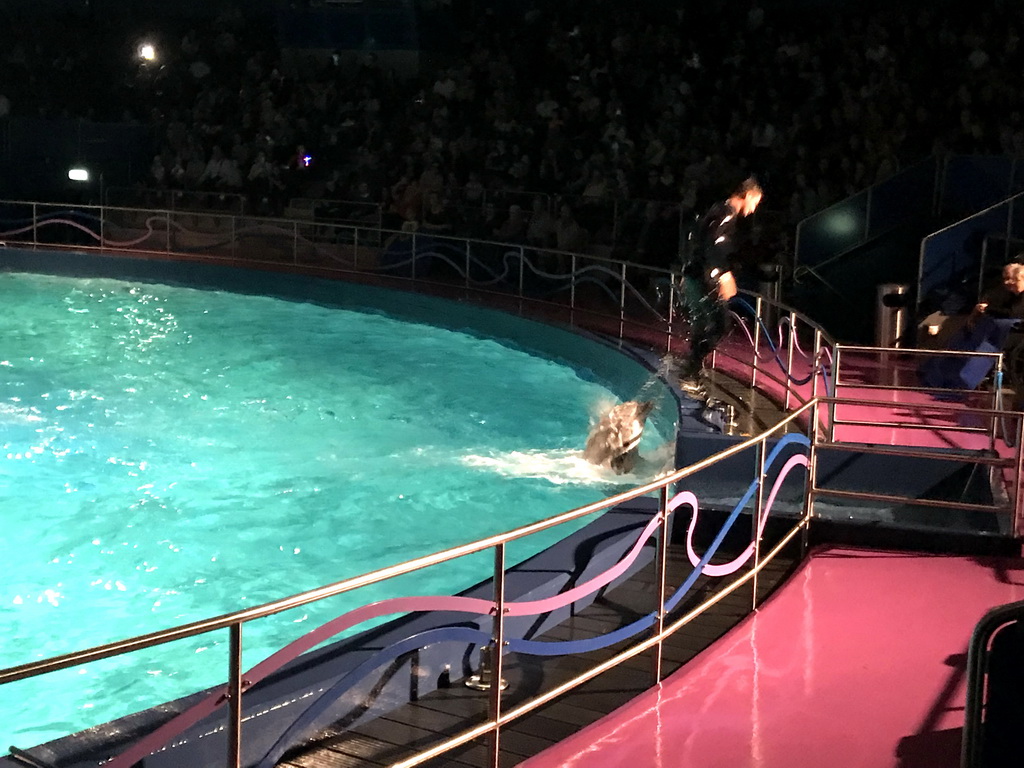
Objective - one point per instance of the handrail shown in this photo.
(224, 621)
(589, 674)
(1006, 203)
(994, 461)
(235, 620)
(978, 653)
(291, 224)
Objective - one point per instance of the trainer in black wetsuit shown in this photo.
(707, 281)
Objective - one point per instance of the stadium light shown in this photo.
(78, 174)
(147, 52)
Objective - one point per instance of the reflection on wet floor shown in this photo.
(752, 411)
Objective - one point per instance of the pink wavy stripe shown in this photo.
(149, 233)
(213, 701)
(83, 228)
(732, 566)
(158, 738)
(562, 599)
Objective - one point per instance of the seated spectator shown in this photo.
(407, 198)
(540, 232)
(987, 329)
(1004, 301)
(569, 235)
(513, 229)
(158, 172)
(431, 180)
(436, 216)
(215, 170)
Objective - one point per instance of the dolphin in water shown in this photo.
(614, 441)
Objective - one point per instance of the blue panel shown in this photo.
(833, 231)
(1016, 223)
(1017, 177)
(951, 259)
(904, 199)
(975, 182)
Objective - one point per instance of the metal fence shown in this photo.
(783, 354)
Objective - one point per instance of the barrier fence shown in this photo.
(778, 350)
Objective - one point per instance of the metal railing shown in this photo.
(956, 253)
(611, 223)
(629, 301)
(232, 695)
(571, 284)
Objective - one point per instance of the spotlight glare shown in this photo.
(147, 52)
(78, 174)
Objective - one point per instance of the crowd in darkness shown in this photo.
(560, 109)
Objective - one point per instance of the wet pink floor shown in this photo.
(857, 662)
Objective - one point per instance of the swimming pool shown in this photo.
(171, 453)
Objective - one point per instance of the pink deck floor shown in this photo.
(857, 662)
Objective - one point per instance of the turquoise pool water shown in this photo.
(169, 454)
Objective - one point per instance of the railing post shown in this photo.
(789, 358)
(1018, 507)
(815, 355)
(671, 310)
(572, 289)
(102, 222)
(355, 249)
(234, 724)
(812, 475)
(661, 565)
(469, 246)
(622, 302)
(758, 309)
(234, 236)
(837, 353)
(755, 526)
(522, 270)
(412, 272)
(295, 242)
(497, 657)
(997, 403)
(35, 220)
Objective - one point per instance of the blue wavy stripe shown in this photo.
(558, 648)
(318, 715)
(563, 647)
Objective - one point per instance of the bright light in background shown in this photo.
(147, 52)
(78, 174)
(843, 223)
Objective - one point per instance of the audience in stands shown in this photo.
(604, 119)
